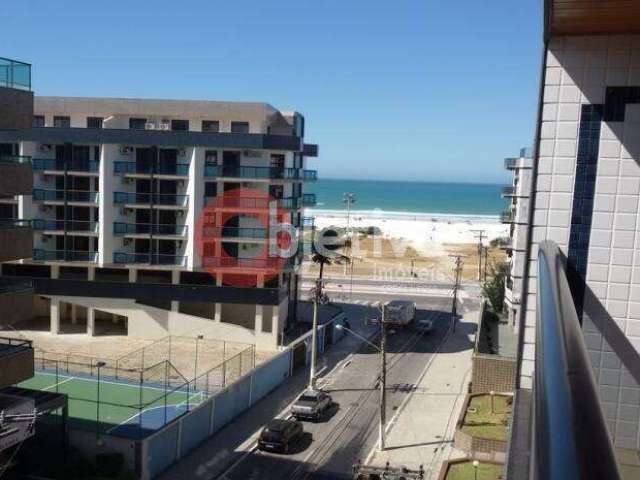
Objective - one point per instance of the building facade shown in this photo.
(516, 216)
(155, 217)
(586, 192)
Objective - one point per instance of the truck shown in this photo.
(400, 312)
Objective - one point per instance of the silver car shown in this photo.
(311, 405)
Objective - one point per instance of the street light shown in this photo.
(195, 365)
(99, 365)
(349, 198)
(475, 464)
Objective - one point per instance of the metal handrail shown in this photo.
(570, 436)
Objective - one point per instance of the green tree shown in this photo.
(493, 288)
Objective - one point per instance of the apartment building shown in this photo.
(516, 216)
(585, 192)
(154, 217)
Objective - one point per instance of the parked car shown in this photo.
(400, 312)
(311, 405)
(279, 434)
(424, 325)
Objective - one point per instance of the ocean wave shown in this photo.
(378, 214)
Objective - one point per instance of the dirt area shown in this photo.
(132, 353)
(396, 259)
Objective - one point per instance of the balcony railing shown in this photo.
(122, 228)
(271, 173)
(510, 163)
(308, 199)
(62, 225)
(149, 258)
(15, 159)
(14, 74)
(508, 191)
(178, 169)
(240, 263)
(570, 436)
(250, 202)
(213, 231)
(507, 216)
(64, 255)
(14, 223)
(167, 199)
(42, 164)
(308, 222)
(65, 195)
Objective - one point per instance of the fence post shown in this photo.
(57, 379)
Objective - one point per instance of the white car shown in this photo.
(424, 325)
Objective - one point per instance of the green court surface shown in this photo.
(125, 408)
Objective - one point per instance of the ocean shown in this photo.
(395, 197)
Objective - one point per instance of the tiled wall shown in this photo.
(587, 193)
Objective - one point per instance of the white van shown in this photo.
(400, 312)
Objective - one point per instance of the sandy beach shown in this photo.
(426, 233)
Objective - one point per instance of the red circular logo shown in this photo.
(245, 238)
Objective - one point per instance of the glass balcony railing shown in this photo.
(64, 255)
(308, 222)
(167, 199)
(507, 216)
(42, 164)
(14, 74)
(310, 175)
(178, 169)
(14, 223)
(149, 258)
(270, 173)
(211, 231)
(65, 195)
(15, 159)
(250, 202)
(508, 191)
(122, 228)
(65, 225)
(309, 199)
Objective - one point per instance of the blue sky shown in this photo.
(402, 89)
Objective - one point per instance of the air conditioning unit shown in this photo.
(126, 150)
(45, 147)
(150, 126)
(164, 126)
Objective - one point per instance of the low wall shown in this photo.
(492, 373)
(165, 447)
(444, 470)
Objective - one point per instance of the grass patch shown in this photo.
(465, 471)
(479, 421)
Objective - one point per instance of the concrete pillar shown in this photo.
(55, 271)
(55, 316)
(195, 190)
(108, 211)
(133, 275)
(91, 321)
(259, 308)
(218, 313)
(91, 274)
(175, 279)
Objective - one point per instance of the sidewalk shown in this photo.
(421, 431)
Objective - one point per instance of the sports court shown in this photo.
(117, 406)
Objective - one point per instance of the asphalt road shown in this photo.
(350, 430)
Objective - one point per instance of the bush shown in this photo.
(493, 289)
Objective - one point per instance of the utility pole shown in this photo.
(479, 234)
(349, 198)
(456, 286)
(383, 378)
(486, 263)
(318, 296)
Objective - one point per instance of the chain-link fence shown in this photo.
(225, 373)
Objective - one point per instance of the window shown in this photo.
(239, 127)
(211, 157)
(94, 122)
(211, 126)
(38, 121)
(62, 122)
(137, 123)
(180, 125)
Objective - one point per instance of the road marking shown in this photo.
(59, 383)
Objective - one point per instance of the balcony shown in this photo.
(15, 74)
(212, 231)
(507, 216)
(16, 239)
(249, 203)
(309, 200)
(139, 169)
(16, 175)
(508, 191)
(148, 229)
(75, 226)
(260, 173)
(250, 265)
(16, 361)
(308, 222)
(149, 259)
(147, 200)
(53, 166)
(40, 255)
(62, 196)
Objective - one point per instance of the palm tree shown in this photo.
(329, 257)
